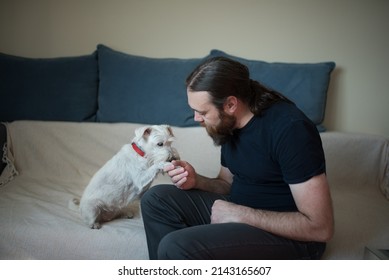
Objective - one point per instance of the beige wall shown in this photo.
(350, 32)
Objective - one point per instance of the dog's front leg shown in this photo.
(146, 177)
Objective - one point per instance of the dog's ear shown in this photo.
(144, 132)
(147, 133)
(170, 130)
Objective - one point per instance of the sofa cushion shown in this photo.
(305, 84)
(63, 89)
(143, 90)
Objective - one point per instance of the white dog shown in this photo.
(127, 175)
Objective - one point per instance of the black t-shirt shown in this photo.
(280, 147)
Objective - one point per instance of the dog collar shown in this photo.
(138, 150)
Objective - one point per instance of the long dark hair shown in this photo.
(222, 77)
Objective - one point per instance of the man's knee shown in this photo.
(153, 195)
(173, 246)
(185, 244)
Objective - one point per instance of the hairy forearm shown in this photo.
(215, 185)
(313, 221)
(293, 225)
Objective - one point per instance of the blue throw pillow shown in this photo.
(306, 84)
(144, 90)
(60, 89)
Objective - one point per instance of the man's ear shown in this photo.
(231, 104)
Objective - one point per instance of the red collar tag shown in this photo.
(138, 150)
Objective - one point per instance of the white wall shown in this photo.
(350, 32)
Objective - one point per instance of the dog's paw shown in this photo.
(95, 226)
(130, 215)
(161, 165)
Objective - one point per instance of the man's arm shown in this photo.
(221, 184)
(184, 176)
(313, 221)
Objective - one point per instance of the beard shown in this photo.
(223, 131)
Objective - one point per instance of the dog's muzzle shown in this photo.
(173, 157)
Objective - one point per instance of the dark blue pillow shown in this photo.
(144, 90)
(306, 84)
(61, 89)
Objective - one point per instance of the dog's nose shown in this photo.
(173, 155)
(171, 158)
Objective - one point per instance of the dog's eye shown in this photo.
(160, 144)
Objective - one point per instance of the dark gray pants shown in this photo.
(177, 225)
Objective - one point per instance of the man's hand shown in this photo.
(182, 174)
(227, 212)
(184, 177)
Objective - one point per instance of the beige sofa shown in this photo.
(49, 163)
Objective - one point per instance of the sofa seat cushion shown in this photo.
(358, 172)
(361, 220)
(55, 161)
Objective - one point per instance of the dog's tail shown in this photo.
(74, 204)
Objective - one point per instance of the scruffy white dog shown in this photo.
(127, 175)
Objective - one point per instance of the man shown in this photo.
(271, 199)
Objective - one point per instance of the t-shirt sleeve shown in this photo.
(299, 151)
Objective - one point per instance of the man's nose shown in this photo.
(198, 117)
